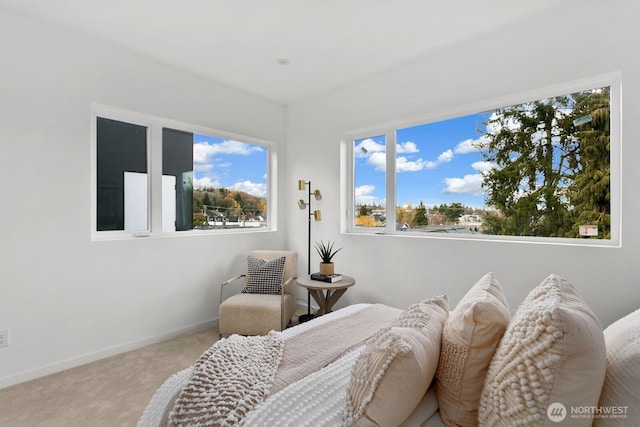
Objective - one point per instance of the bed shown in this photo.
(306, 381)
(427, 365)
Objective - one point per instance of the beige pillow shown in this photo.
(620, 398)
(469, 340)
(398, 363)
(551, 359)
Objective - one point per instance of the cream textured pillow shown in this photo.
(469, 340)
(552, 354)
(621, 391)
(396, 367)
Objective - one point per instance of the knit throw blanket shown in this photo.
(238, 373)
(228, 380)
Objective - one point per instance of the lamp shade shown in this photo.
(302, 204)
(317, 215)
(317, 194)
(301, 184)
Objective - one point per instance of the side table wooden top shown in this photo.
(309, 283)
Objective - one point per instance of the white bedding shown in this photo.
(316, 400)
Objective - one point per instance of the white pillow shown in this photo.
(550, 360)
(470, 338)
(620, 399)
(396, 367)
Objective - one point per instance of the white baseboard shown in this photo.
(92, 357)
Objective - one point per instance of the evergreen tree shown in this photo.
(548, 172)
(205, 199)
(420, 217)
(590, 192)
(452, 212)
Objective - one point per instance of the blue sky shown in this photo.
(230, 164)
(436, 163)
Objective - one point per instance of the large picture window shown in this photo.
(203, 179)
(543, 169)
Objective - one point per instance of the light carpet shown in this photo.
(109, 392)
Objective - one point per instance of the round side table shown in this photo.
(324, 293)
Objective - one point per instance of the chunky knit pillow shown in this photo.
(394, 371)
(551, 359)
(621, 390)
(264, 277)
(470, 338)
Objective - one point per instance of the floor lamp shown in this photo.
(316, 215)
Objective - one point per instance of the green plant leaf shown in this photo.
(326, 251)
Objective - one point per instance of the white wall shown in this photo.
(66, 299)
(573, 44)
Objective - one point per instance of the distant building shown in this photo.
(470, 219)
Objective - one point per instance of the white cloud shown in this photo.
(203, 150)
(444, 157)
(404, 165)
(205, 182)
(469, 184)
(407, 147)
(253, 188)
(365, 190)
(203, 167)
(483, 166)
(364, 195)
(470, 145)
(367, 147)
(378, 160)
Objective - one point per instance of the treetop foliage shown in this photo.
(552, 166)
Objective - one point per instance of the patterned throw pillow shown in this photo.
(551, 359)
(394, 370)
(264, 276)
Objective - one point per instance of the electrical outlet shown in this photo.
(4, 337)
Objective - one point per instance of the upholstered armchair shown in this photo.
(267, 302)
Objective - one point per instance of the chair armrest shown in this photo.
(282, 288)
(285, 284)
(223, 284)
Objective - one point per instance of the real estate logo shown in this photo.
(556, 412)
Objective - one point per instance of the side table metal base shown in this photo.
(306, 317)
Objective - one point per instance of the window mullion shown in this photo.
(390, 203)
(155, 180)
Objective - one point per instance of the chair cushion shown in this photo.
(397, 365)
(469, 340)
(264, 276)
(551, 359)
(254, 314)
(620, 396)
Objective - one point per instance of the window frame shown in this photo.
(347, 226)
(155, 125)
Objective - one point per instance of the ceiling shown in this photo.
(284, 50)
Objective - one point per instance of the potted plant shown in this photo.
(326, 253)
